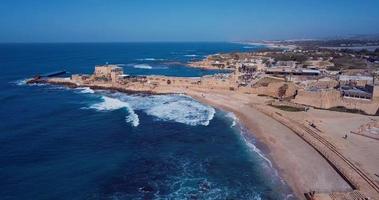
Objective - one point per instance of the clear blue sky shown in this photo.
(183, 20)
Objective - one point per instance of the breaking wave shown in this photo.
(249, 143)
(86, 90)
(109, 104)
(258, 151)
(191, 55)
(249, 47)
(151, 59)
(233, 117)
(177, 108)
(20, 82)
(143, 66)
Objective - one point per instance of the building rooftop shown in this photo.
(355, 78)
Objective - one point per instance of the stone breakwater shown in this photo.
(70, 84)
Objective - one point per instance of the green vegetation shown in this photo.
(288, 108)
(282, 91)
(264, 82)
(289, 56)
(333, 68)
(347, 62)
(344, 109)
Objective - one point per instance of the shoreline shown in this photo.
(306, 163)
(258, 129)
(250, 129)
(261, 149)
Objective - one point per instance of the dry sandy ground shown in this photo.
(299, 164)
(363, 151)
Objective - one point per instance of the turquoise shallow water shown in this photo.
(59, 143)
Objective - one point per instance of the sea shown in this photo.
(67, 144)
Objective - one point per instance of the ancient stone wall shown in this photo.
(273, 89)
(332, 98)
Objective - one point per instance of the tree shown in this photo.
(282, 91)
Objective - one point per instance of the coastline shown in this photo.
(302, 168)
(306, 159)
(271, 45)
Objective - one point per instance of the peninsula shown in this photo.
(319, 124)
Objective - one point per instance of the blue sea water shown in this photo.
(59, 143)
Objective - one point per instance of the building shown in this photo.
(289, 71)
(355, 80)
(108, 72)
(357, 92)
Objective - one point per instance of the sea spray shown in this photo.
(233, 117)
(151, 59)
(109, 104)
(142, 66)
(177, 108)
(191, 55)
(85, 90)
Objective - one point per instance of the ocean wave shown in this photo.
(177, 108)
(110, 104)
(20, 82)
(188, 182)
(23, 82)
(249, 143)
(190, 55)
(233, 117)
(183, 111)
(258, 152)
(143, 66)
(85, 90)
(248, 47)
(151, 59)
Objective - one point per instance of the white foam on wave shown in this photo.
(109, 104)
(86, 90)
(183, 111)
(23, 82)
(248, 142)
(150, 59)
(191, 55)
(20, 82)
(233, 117)
(178, 108)
(258, 151)
(248, 47)
(143, 66)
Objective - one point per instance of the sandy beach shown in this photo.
(298, 163)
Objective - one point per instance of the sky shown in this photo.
(183, 20)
